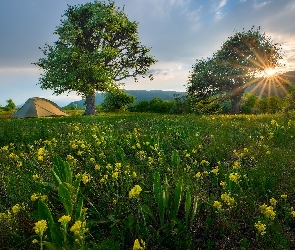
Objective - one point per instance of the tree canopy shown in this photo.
(233, 67)
(97, 48)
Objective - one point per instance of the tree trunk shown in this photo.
(236, 102)
(90, 104)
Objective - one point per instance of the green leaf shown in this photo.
(188, 202)
(59, 168)
(45, 214)
(147, 211)
(68, 172)
(194, 210)
(56, 178)
(79, 208)
(160, 196)
(175, 159)
(65, 197)
(50, 245)
(177, 197)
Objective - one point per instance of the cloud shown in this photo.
(258, 5)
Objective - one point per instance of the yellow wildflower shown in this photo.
(135, 191)
(215, 170)
(234, 177)
(41, 151)
(217, 205)
(284, 196)
(273, 201)
(138, 245)
(97, 167)
(79, 227)
(134, 174)
(270, 135)
(40, 227)
(293, 213)
(198, 175)
(228, 199)
(274, 122)
(34, 197)
(44, 197)
(115, 175)
(16, 208)
(222, 183)
(236, 165)
(267, 211)
(204, 162)
(64, 219)
(34, 241)
(86, 178)
(118, 165)
(35, 177)
(260, 227)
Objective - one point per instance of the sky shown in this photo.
(178, 32)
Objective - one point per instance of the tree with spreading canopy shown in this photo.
(97, 48)
(234, 67)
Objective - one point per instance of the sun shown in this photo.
(269, 72)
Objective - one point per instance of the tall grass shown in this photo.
(163, 182)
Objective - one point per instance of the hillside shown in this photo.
(141, 95)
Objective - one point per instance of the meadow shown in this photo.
(148, 181)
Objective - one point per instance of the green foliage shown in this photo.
(118, 100)
(10, 105)
(249, 102)
(232, 68)
(157, 105)
(97, 47)
(196, 181)
(270, 104)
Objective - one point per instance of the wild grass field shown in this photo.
(148, 181)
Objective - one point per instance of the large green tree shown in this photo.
(97, 48)
(233, 67)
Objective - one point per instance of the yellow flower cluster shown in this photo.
(16, 208)
(234, 177)
(138, 245)
(217, 205)
(40, 154)
(86, 178)
(215, 170)
(260, 227)
(40, 227)
(79, 228)
(268, 211)
(64, 219)
(230, 201)
(135, 191)
(35, 197)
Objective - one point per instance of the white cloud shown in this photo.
(260, 5)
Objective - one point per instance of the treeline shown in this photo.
(251, 103)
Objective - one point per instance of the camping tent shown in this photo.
(36, 107)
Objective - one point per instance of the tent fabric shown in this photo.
(37, 107)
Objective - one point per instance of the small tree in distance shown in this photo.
(98, 47)
(118, 100)
(10, 105)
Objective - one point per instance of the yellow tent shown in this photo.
(36, 107)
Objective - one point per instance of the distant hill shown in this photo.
(141, 95)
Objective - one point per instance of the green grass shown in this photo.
(249, 159)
